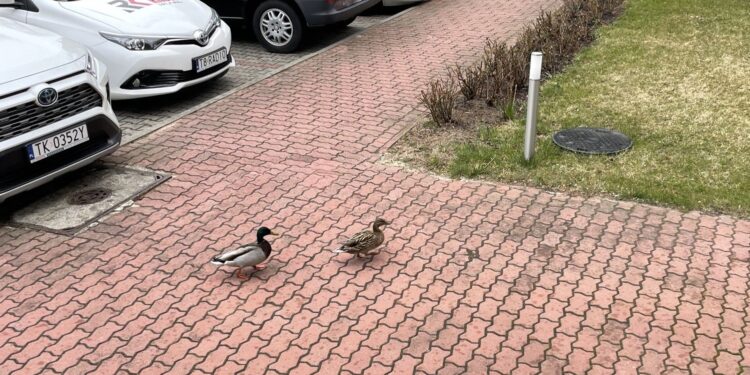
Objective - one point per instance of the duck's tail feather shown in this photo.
(217, 261)
(341, 249)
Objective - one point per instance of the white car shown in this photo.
(151, 47)
(55, 112)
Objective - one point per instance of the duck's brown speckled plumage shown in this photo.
(364, 242)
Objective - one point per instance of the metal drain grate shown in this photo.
(89, 196)
(592, 141)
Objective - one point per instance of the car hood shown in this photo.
(145, 17)
(35, 50)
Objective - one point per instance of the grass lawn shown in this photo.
(672, 74)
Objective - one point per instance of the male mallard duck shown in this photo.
(364, 242)
(251, 255)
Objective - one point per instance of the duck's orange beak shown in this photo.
(273, 233)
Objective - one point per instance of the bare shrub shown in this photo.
(503, 70)
(440, 99)
(498, 82)
(470, 79)
(559, 35)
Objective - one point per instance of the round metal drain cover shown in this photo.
(592, 141)
(89, 196)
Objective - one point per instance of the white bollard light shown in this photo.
(535, 76)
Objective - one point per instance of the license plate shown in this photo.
(209, 61)
(57, 143)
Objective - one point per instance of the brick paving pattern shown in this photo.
(475, 277)
(140, 117)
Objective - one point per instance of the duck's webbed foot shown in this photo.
(242, 275)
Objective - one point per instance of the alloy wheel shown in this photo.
(276, 27)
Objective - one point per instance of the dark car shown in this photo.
(280, 25)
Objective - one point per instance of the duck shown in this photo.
(364, 242)
(250, 255)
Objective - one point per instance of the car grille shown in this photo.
(190, 41)
(29, 116)
(149, 79)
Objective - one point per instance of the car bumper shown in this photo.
(18, 174)
(61, 166)
(322, 14)
(175, 60)
(395, 3)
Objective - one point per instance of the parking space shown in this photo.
(140, 117)
(143, 116)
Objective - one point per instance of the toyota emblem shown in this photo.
(201, 37)
(46, 97)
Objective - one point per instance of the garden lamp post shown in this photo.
(535, 76)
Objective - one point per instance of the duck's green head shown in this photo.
(263, 231)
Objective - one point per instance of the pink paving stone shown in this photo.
(433, 360)
(319, 352)
(700, 366)
(679, 356)
(728, 363)
(303, 369)
(534, 353)
(506, 360)
(70, 358)
(653, 363)
(149, 302)
(405, 365)
(333, 365)
(627, 366)
(144, 359)
(579, 361)
(600, 370)
(33, 365)
(81, 368)
(288, 359)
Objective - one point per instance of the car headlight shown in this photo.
(91, 67)
(135, 43)
(214, 23)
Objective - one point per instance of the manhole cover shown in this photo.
(74, 201)
(592, 141)
(89, 196)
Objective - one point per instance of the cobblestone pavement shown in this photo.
(475, 277)
(140, 117)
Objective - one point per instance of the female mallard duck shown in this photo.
(366, 241)
(251, 255)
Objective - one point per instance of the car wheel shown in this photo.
(277, 26)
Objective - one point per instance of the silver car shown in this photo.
(280, 25)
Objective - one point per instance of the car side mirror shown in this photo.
(11, 4)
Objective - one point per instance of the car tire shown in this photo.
(278, 26)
